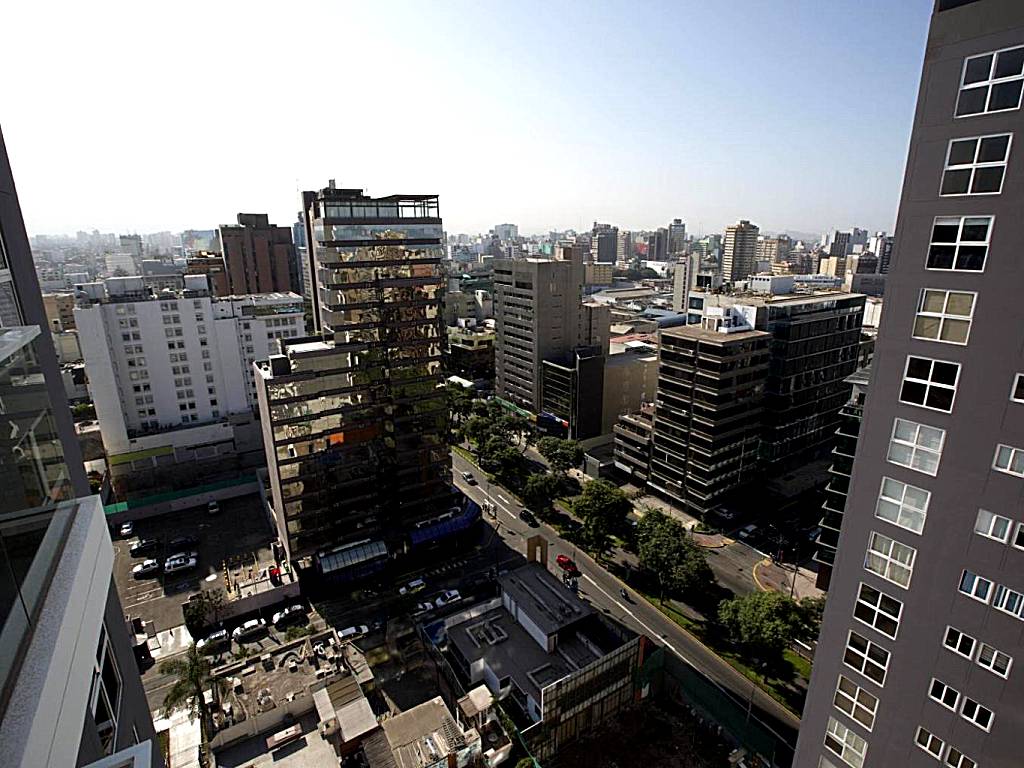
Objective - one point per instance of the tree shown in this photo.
(526, 762)
(460, 402)
(812, 610)
(763, 624)
(664, 549)
(561, 455)
(192, 677)
(539, 492)
(477, 429)
(603, 508)
(202, 607)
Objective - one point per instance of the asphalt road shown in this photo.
(602, 590)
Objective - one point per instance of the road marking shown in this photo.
(503, 499)
(637, 620)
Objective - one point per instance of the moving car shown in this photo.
(142, 546)
(127, 529)
(249, 630)
(213, 508)
(447, 597)
(529, 518)
(293, 614)
(566, 564)
(414, 586)
(215, 642)
(146, 568)
(351, 633)
(468, 477)
(182, 543)
(179, 563)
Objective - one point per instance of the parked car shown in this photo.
(214, 643)
(145, 569)
(142, 546)
(249, 630)
(747, 531)
(447, 597)
(213, 508)
(414, 586)
(468, 477)
(725, 513)
(293, 614)
(422, 609)
(182, 543)
(179, 563)
(814, 533)
(127, 529)
(529, 518)
(567, 564)
(351, 633)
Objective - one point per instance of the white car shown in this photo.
(351, 633)
(414, 586)
(422, 609)
(468, 477)
(146, 568)
(448, 597)
(127, 529)
(250, 629)
(179, 563)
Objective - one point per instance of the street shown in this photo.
(602, 590)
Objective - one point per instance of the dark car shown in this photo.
(529, 518)
(144, 546)
(182, 543)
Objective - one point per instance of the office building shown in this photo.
(120, 264)
(677, 237)
(506, 232)
(354, 420)
(633, 433)
(212, 266)
(259, 257)
(657, 245)
(707, 421)
(739, 254)
(918, 660)
(167, 370)
(132, 245)
(60, 311)
(774, 249)
(624, 246)
(539, 315)
(604, 243)
(880, 244)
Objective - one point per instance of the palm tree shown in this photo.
(192, 671)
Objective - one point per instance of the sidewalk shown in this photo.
(775, 578)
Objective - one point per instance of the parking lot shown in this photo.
(239, 534)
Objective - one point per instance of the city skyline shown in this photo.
(533, 123)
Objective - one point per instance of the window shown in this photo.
(868, 658)
(942, 693)
(916, 446)
(929, 742)
(890, 559)
(855, 702)
(902, 505)
(958, 642)
(994, 661)
(973, 712)
(958, 759)
(105, 695)
(1008, 600)
(973, 585)
(975, 166)
(944, 316)
(1018, 537)
(1009, 460)
(992, 526)
(878, 610)
(846, 744)
(1017, 393)
(991, 83)
(930, 383)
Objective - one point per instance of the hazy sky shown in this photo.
(143, 116)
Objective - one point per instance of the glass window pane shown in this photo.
(971, 101)
(1008, 63)
(971, 257)
(944, 373)
(905, 430)
(927, 327)
(955, 182)
(940, 398)
(993, 149)
(977, 69)
(960, 304)
(962, 152)
(933, 301)
(987, 180)
(918, 368)
(955, 331)
(946, 230)
(975, 230)
(1005, 96)
(929, 437)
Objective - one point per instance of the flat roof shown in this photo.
(696, 332)
(544, 598)
(421, 735)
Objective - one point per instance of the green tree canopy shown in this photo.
(764, 624)
(665, 550)
(191, 672)
(539, 492)
(561, 455)
(602, 508)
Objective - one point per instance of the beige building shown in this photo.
(60, 310)
(739, 255)
(630, 379)
(599, 273)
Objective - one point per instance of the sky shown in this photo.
(143, 117)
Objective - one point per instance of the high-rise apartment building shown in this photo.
(919, 658)
(354, 421)
(880, 244)
(624, 246)
(677, 236)
(506, 232)
(604, 243)
(132, 245)
(657, 245)
(774, 249)
(739, 251)
(708, 414)
(259, 257)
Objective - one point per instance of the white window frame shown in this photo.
(1017, 540)
(987, 84)
(856, 703)
(930, 742)
(928, 383)
(985, 525)
(848, 741)
(905, 514)
(941, 698)
(959, 760)
(865, 659)
(961, 223)
(974, 165)
(877, 610)
(916, 448)
(1008, 601)
(977, 707)
(1015, 453)
(973, 592)
(943, 316)
(956, 647)
(1018, 379)
(996, 654)
(883, 548)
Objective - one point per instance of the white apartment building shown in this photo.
(167, 369)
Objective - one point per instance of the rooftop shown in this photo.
(547, 602)
(419, 737)
(703, 334)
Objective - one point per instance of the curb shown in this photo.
(753, 572)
